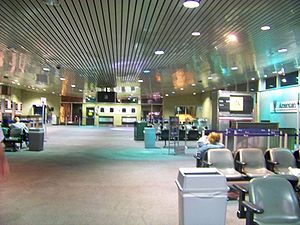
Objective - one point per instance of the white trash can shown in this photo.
(202, 196)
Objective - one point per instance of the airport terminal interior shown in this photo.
(119, 97)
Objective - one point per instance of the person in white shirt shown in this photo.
(20, 125)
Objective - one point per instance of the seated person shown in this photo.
(213, 141)
(20, 125)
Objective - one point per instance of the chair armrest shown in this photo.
(240, 163)
(272, 162)
(207, 164)
(197, 157)
(241, 187)
(252, 207)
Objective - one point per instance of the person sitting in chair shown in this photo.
(20, 125)
(213, 141)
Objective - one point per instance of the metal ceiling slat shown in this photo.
(157, 26)
(100, 39)
(73, 37)
(130, 27)
(142, 21)
(104, 78)
(106, 35)
(60, 52)
(101, 57)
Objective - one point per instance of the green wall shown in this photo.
(29, 98)
(201, 101)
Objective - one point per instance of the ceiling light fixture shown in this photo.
(265, 28)
(281, 50)
(51, 2)
(146, 71)
(46, 69)
(62, 78)
(193, 85)
(191, 3)
(194, 93)
(159, 52)
(234, 68)
(73, 85)
(196, 34)
(140, 81)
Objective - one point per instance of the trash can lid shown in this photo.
(201, 179)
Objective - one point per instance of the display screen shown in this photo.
(103, 96)
(236, 104)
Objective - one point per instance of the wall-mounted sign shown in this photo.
(283, 106)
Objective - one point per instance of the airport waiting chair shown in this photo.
(251, 162)
(222, 159)
(242, 188)
(272, 201)
(193, 135)
(297, 157)
(16, 136)
(279, 160)
(164, 136)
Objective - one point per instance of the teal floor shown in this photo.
(95, 176)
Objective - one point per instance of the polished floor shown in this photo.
(95, 176)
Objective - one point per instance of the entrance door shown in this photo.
(90, 116)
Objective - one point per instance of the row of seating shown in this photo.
(249, 162)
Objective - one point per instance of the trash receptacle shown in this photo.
(149, 137)
(202, 196)
(36, 139)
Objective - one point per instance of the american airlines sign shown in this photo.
(283, 106)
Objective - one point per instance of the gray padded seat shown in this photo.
(282, 159)
(254, 162)
(275, 201)
(222, 159)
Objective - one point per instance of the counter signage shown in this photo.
(283, 106)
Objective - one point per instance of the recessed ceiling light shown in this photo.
(173, 92)
(281, 50)
(231, 38)
(265, 76)
(194, 93)
(80, 90)
(166, 95)
(252, 89)
(196, 33)
(62, 78)
(140, 81)
(191, 3)
(73, 85)
(146, 71)
(193, 85)
(159, 52)
(181, 89)
(53, 92)
(51, 2)
(234, 68)
(265, 28)
(203, 91)
(253, 78)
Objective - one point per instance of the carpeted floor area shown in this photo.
(95, 176)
